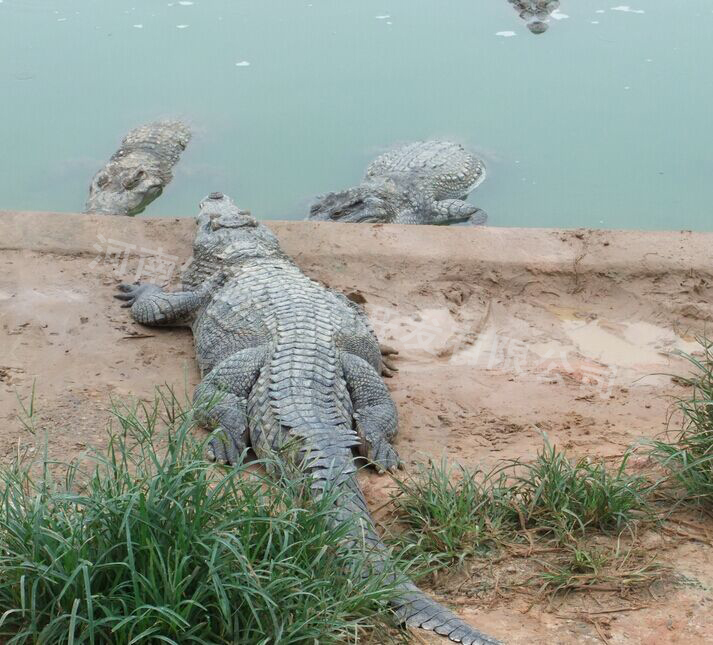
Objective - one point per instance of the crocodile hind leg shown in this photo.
(224, 395)
(375, 414)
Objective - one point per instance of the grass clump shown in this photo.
(689, 456)
(152, 544)
(556, 495)
(584, 567)
(450, 513)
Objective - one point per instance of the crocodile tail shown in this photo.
(415, 609)
(412, 607)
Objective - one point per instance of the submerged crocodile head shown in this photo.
(370, 202)
(228, 235)
(536, 13)
(124, 187)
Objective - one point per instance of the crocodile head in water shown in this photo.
(369, 202)
(124, 187)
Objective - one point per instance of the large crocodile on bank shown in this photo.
(425, 182)
(139, 170)
(294, 367)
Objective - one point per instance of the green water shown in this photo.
(605, 120)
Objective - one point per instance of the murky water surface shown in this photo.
(603, 120)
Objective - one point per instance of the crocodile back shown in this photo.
(300, 402)
(453, 171)
(302, 393)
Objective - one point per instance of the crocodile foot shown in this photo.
(130, 293)
(478, 218)
(383, 456)
(223, 448)
(388, 367)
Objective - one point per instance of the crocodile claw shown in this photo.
(130, 293)
(388, 367)
(223, 448)
(387, 350)
(385, 458)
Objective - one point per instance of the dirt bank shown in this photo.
(503, 334)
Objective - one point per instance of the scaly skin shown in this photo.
(139, 170)
(295, 370)
(535, 13)
(418, 183)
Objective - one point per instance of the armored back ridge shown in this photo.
(295, 368)
(418, 183)
(139, 170)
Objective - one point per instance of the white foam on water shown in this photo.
(137, 26)
(599, 11)
(61, 20)
(383, 17)
(243, 63)
(185, 3)
(182, 26)
(558, 15)
(625, 8)
(505, 34)
(595, 22)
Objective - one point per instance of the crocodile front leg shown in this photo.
(452, 211)
(374, 412)
(225, 391)
(151, 305)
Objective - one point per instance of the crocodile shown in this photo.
(139, 170)
(425, 182)
(294, 368)
(535, 13)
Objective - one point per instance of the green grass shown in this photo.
(584, 567)
(449, 514)
(689, 455)
(149, 543)
(563, 497)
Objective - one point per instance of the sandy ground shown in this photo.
(504, 334)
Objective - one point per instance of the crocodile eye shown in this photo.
(134, 179)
